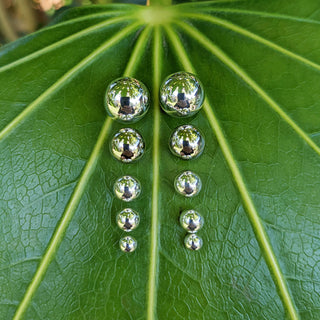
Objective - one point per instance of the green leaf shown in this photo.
(59, 255)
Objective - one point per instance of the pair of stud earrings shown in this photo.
(128, 145)
(128, 99)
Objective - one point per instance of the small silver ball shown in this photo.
(193, 242)
(128, 219)
(188, 184)
(127, 99)
(186, 142)
(127, 188)
(128, 244)
(191, 221)
(127, 145)
(181, 94)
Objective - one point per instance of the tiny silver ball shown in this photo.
(127, 188)
(181, 94)
(128, 219)
(186, 142)
(127, 145)
(191, 221)
(193, 242)
(128, 244)
(188, 184)
(127, 99)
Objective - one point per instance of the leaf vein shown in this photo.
(215, 50)
(253, 215)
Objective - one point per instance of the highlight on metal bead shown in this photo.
(181, 94)
(188, 184)
(127, 145)
(128, 219)
(193, 242)
(186, 142)
(127, 99)
(128, 244)
(191, 221)
(127, 188)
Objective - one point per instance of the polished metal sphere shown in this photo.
(127, 188)
(186, 142)
(128, 244)
(191, 221)
(127, 99)
(181, 94)
(127, 145)
(128, 219)
(188, 184)
(193, 242)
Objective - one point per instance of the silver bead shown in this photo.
(128, 244)
(128, 219)
(191, 221)
(193, 242)
(127, 145)
(181, 94)
(188, 184)
(127, 99)
(127, 188)
(186, 142)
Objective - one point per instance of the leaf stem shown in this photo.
(159, 2)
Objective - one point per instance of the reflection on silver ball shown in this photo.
(128, 219)
(188, 184)
(191, 221)
(193, 242)
(127, 99)
(181, 94)
(127, 188)
(186, 142)
(127, 145)
(128, 244)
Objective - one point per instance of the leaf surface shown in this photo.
(59, 258)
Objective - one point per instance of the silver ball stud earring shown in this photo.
(127, 188)
(127, 99)
(191, 221)
(127, 145)
(193, 242)
(186, 142)
(181, 94)
(128, 219)
(188, 184)
(128, 244)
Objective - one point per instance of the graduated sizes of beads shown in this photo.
(182, 95)
(127, 100)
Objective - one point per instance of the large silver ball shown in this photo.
(127, 99)
(181, 94)
(127, 145)
(193, 242)
(191, 221)
(128, 219)
(188, 184)
(127, 188)
(128, 244)
(186, 142)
